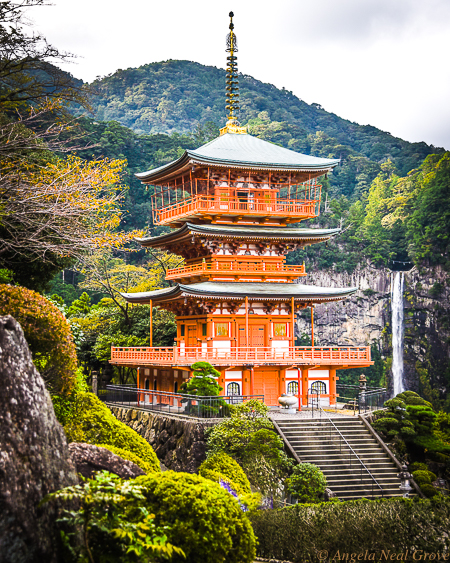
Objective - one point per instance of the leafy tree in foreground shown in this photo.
(48, 335)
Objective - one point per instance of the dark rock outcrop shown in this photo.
(89, 458)
(34, 456)
(180, 444)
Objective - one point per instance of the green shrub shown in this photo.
(417, 466)
(307, 483)
(109, 523)
(428, 490)
(204, 520)
(422, 477)
(252, 407)
(97, 425)
(225, 465)
(299, 533)
(125, 454)
(252, 442)
(47, 333)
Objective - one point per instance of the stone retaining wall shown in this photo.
(178, 442)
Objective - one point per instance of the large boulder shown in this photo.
(34, 455)
(89, 458)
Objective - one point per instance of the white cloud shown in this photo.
(382, 62)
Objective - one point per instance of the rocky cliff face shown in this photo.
(365, 318)
(34, 456)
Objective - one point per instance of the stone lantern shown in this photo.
(405, 476)
(362, 391)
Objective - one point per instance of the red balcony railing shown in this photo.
(306, 355)
(230, 206)
(236, 268)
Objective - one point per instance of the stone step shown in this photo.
(321, 443)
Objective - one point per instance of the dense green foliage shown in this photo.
(416, 431)
(307, 483)
(205, 521)
(248, 436)
(94, 423)
(47, 333)
(111, 523)
(301, 532)
(226, 467)
(202, 382)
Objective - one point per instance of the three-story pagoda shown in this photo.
(234, 203)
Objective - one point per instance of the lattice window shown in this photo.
(293, 387)
(319, 387)
(221, 329)
(233, 389)
(280, 329)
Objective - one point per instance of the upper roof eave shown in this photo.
(245, 232)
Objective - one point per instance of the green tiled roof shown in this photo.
(241, 232)
(243, 151)
(238, 290)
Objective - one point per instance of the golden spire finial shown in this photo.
(232, 99)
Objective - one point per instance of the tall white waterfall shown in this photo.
(397, 330)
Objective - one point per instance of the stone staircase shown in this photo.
(319, 442)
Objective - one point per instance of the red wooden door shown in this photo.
(257, 336)
(192, 336)
(266, 383)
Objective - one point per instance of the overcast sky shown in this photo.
(378, 62)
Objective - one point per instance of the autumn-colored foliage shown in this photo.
(47, 333)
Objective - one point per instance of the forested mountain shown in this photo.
(179, 95)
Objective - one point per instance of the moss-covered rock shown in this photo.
(98, 426)
(125, 454)
(204, 520)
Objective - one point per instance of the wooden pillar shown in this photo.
(252, 375)
(151, 323)
(312, 326)
(305, 386)
(247, 335)
(332, 386)
(299, 388)
(292, 323)
(281, 382)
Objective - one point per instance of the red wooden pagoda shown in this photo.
(233, 202)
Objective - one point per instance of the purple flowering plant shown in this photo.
(225, 485)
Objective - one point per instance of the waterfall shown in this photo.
(397, 330)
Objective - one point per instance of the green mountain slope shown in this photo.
(179, 95)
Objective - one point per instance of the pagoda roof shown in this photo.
(241, 151)
(239, 290)
(243, 232)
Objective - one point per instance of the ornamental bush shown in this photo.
(428, 490)
(94, 423)
(125, 454)
(250, 439)
(301, 532)
(204, 520)
(307, 483)
(422, 477)
(223, 464)
(47, 333)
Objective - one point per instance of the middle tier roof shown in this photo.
(239, 290)
(239, 232)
